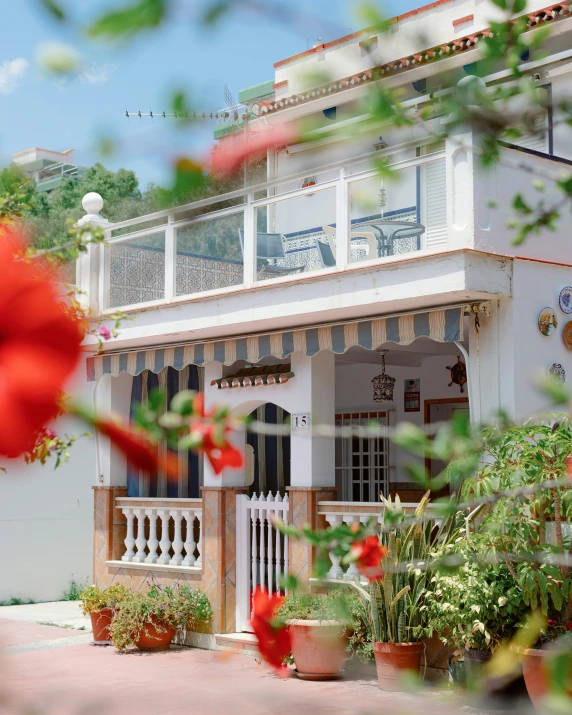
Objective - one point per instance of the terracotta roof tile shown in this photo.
(551, 13)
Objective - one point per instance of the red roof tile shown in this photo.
(548, 14)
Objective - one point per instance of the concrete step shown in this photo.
(244, 643)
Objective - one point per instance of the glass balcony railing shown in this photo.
(277, 231)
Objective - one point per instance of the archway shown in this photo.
(271, 452)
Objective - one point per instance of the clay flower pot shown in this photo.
(100, 622)
(156, 637)
(318, 648)
(536, 673)
(394, 660)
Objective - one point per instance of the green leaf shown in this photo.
(215, 12)
(130, 20)
(500, 3)
(55, 9)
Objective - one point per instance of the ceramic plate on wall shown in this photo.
(547, 321)
(567, 335)
(557, 372)
(565, 299)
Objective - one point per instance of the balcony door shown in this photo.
(362, 461)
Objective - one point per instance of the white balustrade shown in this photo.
(336, 513)
(180, 517)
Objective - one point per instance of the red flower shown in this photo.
(273, 638)
(234, 150)
(211, 436)
(39, 347)
(368, 555)
(137, 448)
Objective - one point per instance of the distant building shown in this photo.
(47, 167)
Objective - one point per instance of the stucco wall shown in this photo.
(46, 520)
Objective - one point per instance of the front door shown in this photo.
(362, 461)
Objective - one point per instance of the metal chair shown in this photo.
(325, 254)
(269, 247)
(370, 236)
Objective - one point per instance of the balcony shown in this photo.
(289, 230)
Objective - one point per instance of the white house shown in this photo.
(283, 299)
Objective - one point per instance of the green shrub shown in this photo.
(93, 598)
(181, 608)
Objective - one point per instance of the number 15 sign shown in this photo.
(301, 420)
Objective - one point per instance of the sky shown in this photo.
(54, 113)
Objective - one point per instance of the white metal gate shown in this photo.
(261, 550)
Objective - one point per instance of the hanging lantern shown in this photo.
(383, 384)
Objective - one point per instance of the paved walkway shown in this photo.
(49, 670)
(65, 614)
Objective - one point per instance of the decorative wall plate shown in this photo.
(565, 300)
(557, 372)
(547, 321)
(567, 335)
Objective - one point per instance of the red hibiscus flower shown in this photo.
(210, 434)
(273, 638)
(234, 150)
(368, 555)
(39, 347)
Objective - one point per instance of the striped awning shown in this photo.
(445, 325)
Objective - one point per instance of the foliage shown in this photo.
(181, 608)
(527, 531)
(49, 444)
(392, 607)
(475, 607)
(93, 598)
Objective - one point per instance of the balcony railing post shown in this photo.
(249, 249)
(170, 260)
(342, 222)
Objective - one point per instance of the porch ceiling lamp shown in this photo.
(383, 384)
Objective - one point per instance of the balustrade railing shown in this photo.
(339, 512)
(163, 532)
(281, 228)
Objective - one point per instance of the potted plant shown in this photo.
(318, 626)
(528, 524)
(392, 605)
(151, 620)
(475, 608)
(100, 605)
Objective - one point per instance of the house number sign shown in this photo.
(301, 420)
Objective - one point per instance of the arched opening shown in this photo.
(271, 452)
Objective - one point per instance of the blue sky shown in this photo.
(36, 110)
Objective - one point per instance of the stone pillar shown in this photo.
(219, 553)
(87, 265)
(304, 512)
(108, 532)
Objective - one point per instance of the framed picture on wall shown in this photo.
(412, 395)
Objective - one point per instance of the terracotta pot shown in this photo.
(318, 648)
(394, 660)
(536, 673)
(156, 637)
(100, 622)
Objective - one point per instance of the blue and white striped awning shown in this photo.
(445, 325)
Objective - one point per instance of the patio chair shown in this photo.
(370, 236)
(269, 247)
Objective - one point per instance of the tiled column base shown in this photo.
(219, 553)
(108, 532)
(304, 510)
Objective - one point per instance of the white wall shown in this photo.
(46, 519)
(354, 393)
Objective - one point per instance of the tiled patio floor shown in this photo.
(50, 670)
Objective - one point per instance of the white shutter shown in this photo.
(434, 206)
(538, 138)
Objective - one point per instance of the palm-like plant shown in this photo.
(392, 607)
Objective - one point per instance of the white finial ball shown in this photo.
(471, 90)
(92, 203)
